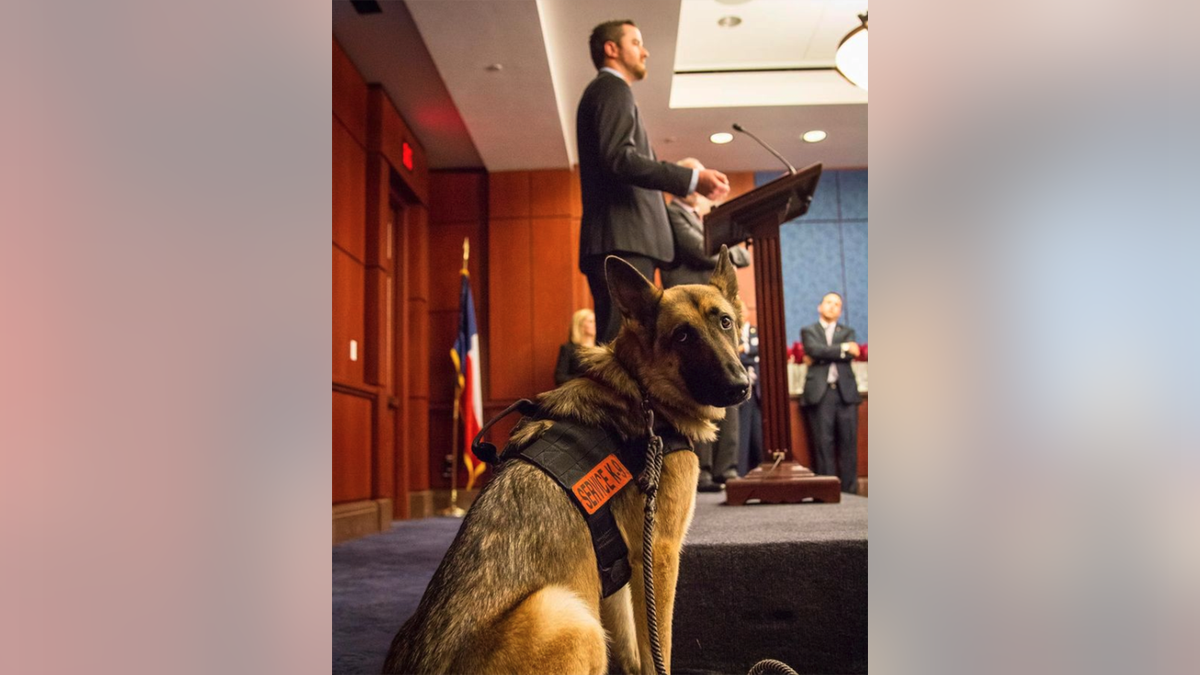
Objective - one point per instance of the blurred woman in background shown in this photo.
(583, 334)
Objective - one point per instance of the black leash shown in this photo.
(648, 482)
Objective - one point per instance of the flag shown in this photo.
(465, 355)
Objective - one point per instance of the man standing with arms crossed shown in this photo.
(831, 393)
(620, 178)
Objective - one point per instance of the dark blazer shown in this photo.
(824, 357)
(749, 359)
(691, 266)
(620, 179)
(569, 365)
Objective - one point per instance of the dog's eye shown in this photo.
(683, 335)
(726, 323)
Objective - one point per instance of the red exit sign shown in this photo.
(407, 158)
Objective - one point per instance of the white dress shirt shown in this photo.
(833, 368)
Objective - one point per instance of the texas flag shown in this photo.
(465, 355)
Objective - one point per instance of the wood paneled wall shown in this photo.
(534, 282)
(417, 351)
(352, 411)
(380, 297)
(351, 447)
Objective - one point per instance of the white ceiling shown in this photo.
(772, 34)
(522, 116)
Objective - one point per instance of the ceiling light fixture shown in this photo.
(814, 136)
(729, 21)
(851, 56)
(721, 138)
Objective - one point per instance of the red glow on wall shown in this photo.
(407, 159)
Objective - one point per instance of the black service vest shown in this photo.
(592, 465)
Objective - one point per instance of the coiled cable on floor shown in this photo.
(772, 666)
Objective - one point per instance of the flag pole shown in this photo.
(453, 510)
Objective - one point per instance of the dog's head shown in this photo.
(686, 336)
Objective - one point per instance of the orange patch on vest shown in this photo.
(601, 483)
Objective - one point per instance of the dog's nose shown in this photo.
(739, 382)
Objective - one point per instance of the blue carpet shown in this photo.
(377, 584)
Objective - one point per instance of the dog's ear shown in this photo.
(725, 278)
(636, 297)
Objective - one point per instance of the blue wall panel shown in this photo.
(814, 248)
(852, 194)
(854, 252)
(826, 250)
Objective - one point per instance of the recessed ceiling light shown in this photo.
(495, 67)
(729, 21)
(814, 136)
(720, 138)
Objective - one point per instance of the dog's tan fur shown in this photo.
(518, 591)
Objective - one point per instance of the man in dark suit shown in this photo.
(718, 459)
(831, 393)
(620, 178)
(686, 215)
(750, 438)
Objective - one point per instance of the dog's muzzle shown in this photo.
(737, 388)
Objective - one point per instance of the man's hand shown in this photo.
(712, 184)
(808, 360)
(852, 347)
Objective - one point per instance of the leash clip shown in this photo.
(648, 479)
(648, 413)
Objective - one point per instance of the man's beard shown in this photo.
(638, 69)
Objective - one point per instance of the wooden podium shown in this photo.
(758, 215)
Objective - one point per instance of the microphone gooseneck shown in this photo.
(738, 127)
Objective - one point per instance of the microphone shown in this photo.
(792, 169)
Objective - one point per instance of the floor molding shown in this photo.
(420, 504)
(358, 519)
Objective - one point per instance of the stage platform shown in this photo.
(787, 582)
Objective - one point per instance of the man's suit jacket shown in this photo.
(749, 359)
(691, 266)
(827, 356)
(620, 179)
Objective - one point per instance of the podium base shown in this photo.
(788, 483)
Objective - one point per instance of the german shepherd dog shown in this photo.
(518, 590)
